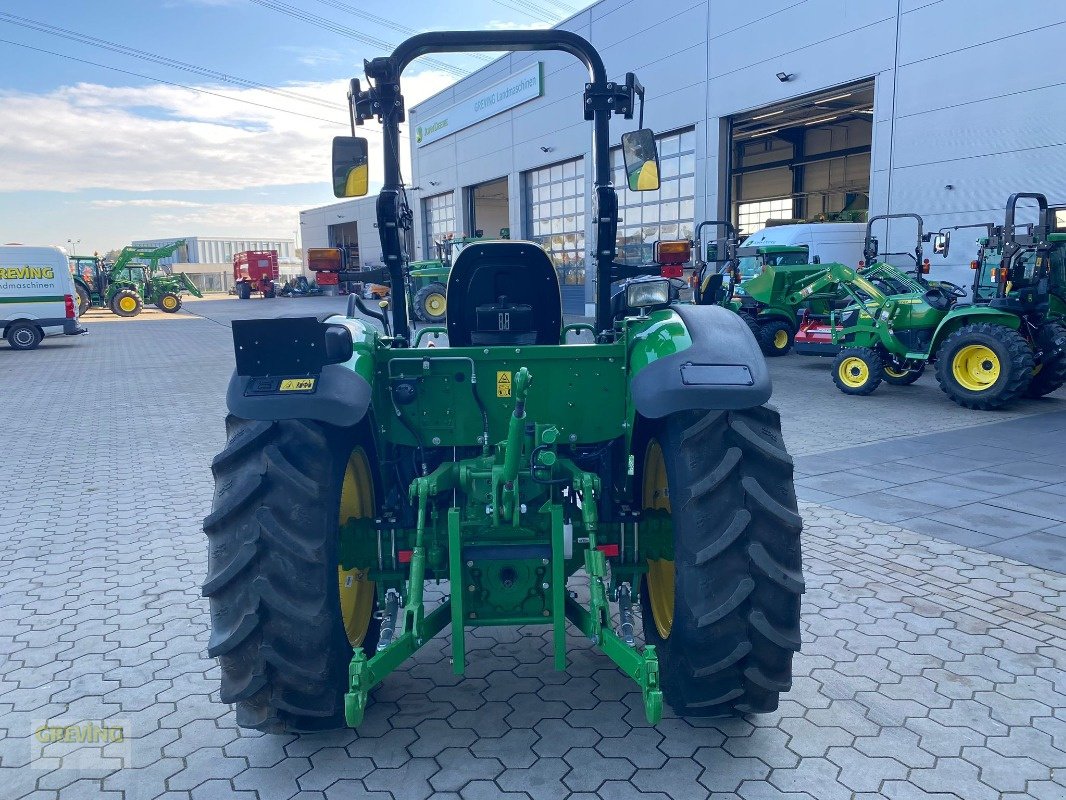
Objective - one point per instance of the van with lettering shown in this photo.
(37, 295)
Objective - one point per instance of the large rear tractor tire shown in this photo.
(1051, 372)
(858, 370)
(126, 303)
(724, 616)
(85, 301)
(776, 337)
(431, 303)
(284, 617)
(243, 290)
(984, 366)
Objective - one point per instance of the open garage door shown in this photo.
(805, 159)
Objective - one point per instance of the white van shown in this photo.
(839, 242)
(37, 296)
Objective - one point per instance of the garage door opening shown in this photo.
(345, 235)
(488, 210)
(804, 159)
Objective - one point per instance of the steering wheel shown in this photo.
(955, 290)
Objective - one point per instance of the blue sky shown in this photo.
(92, 154)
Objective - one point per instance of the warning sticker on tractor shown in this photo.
(298, 385)
(503, 384)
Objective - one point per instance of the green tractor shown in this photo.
(126, 285)
(1007, 272)
(427, 281)
(987, 354)
(548, 481)
(757, 283)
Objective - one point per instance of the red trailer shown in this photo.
(255, 271)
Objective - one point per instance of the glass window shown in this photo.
(559, 225)
(664, 214)
(751, 217)
(438, 221)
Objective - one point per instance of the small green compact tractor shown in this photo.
(757, 283)
(427, 281)
(126, 285)
(1009, 261)
(548, 482)
(986, 354)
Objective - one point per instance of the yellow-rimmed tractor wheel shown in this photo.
(984, 366)
(724, 613)
(776, 337)
(126, 303)
(903, 374)
(168, 302)
(858, 370)
(431, 303)
(284, 616)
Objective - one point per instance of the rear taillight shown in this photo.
(72, 310)
(672, 271)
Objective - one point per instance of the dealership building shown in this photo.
(764, 111)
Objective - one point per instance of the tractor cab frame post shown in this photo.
(602, 98)
(870, 249)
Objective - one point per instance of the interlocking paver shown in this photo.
(928, 669)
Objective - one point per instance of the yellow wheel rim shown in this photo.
(895, 373)
(170, 302)
(976, 367)
(660, 575)
(781, 340)
(435, 304)
(853, 372)
(127, 304)
(356, 592)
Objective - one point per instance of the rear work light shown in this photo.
(673, 253)
(325, 259)
(72, 311)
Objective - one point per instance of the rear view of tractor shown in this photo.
(256, 272)
(643, 468)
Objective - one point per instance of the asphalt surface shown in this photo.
(932, 666)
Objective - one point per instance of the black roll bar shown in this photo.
(869, 253)
(384, 100)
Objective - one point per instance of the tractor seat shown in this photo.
(503, 293)
(939, 299)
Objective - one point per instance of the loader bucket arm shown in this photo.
(384, 100)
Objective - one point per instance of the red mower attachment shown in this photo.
(815, 337)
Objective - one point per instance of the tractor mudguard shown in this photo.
(276, 379)
(723, 368)
(339, 397)
(964, 315)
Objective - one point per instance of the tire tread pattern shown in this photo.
(738, 565)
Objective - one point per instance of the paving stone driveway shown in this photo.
(928, 669)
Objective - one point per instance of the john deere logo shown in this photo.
(418, 134)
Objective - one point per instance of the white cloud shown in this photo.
(144, 202)
(167, 138)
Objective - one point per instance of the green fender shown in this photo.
(971, 315)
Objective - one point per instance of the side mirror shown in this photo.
(941, 243)
(351, 170)
(816, 260)
(641, 160)
(871, 250)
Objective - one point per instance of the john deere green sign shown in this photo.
(519, 88)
